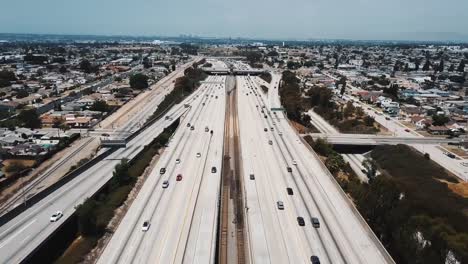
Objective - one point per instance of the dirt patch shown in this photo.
(300, 128)
(459, 188)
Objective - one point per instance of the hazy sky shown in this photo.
(302, 19)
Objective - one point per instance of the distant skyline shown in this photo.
(274, 19)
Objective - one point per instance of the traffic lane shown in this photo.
(175, 244)
(130, 251)
(306, 245)
(159, 252)
(267, 176)
(201, 242)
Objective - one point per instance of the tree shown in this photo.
(322, 147)
(349, 109)
(440, 120)
(139, 81)
(22, 94)
(121, 174)
(85, 66)
(451, 68)
(369, 121)
(461, 66)
(6, 77)
(87, 220)
(334, 163)
(253, 57)
(29, 118)
(147, 63)
(427, 65)
(371, 168)
(63, 69)
(359, 112)
(100, 106)
(441, 65)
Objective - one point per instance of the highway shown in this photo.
(183, 216)
(20, 236)
(274, 235)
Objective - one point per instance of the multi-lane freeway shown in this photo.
(182, 216)
(285, 184)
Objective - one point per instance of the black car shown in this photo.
(315, 260)
(289, 169)
(213, 169)
(252, 177)
(300, 221)
(315, 222)
(265, 129)
(290, 191)
(162, 170)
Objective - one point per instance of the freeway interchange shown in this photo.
(292, 207)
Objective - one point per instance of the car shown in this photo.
(192, 128)
(387, 118)
(451, 155)
(252, 176)
(300, 221)
(179, 177)
(265, 116)
(262, 111)
(315, 260)
(289, 169)
(289, 191)
(146, 225)
(198, 154)
(188, 124)
(213, 169)
(203, 104)
(280, 133)
(280, 205)
(272, 129)
(56, 216)
(294, 162)
(105, 135)
(315, 222)
(162, 171)
(407, 130)
(207, 129)
(266, 129)
(167, 117)
(165, 184)
(177, 161)
(270, 142)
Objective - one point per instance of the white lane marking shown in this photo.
(17, 233)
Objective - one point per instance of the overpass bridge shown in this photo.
(374, 140)
(227, 71)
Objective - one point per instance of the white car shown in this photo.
(165, 184)
(198, 155)
(294, 162)
(56, 216)
(145, 227)
(177, 161)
